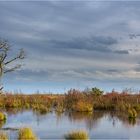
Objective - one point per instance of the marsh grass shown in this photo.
(77, 135)
(3, 136)
(41, 109)
(132, 113)
(26, 134)
(73, 100)
(82, 106)
(2, 116)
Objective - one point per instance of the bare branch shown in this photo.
(19, 56)
(12, 69)
(4, 45)
(4, 53)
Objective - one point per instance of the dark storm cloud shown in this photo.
(96, 43)
(122, 51)
(113, 70)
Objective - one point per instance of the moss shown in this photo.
(3, 136)
(2, 116)
(26, 134)
(77, 135)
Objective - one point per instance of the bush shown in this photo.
(2, 116)
(26, 134)
(78, 135)
(96, 91)
(3, 136)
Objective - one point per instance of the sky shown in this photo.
(72, 44)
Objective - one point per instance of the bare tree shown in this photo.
(6, 63)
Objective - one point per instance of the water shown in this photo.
(99, 125)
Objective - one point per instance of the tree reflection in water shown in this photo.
(91, 119)
(115, 116)
(2, 123)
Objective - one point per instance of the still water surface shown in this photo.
(99, 125)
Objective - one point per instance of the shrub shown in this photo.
(72, 97)
(96, 91)
(3, 136)
(26, 134)
(77, 135)
(2, 116)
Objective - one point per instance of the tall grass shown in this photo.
(2, 116)
(3, 136)
(26, 134)
(77, 135)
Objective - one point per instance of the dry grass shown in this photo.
(26, 134)
(77, 135)
(3, 136)
(2, 116)
(73, 100)
(82, 106)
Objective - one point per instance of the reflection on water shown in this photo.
(99, 125)
(90, 119)
(2, 123)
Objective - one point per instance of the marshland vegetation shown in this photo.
(3, 136)
(26, 134)
(74, 100)
(77, 135)
(77, 105)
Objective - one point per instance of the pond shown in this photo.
(99, 125)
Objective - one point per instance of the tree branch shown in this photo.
(20, 56)
(12, 69)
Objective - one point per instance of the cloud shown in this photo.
(95, 43)
(74, 40)
(122, 51)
